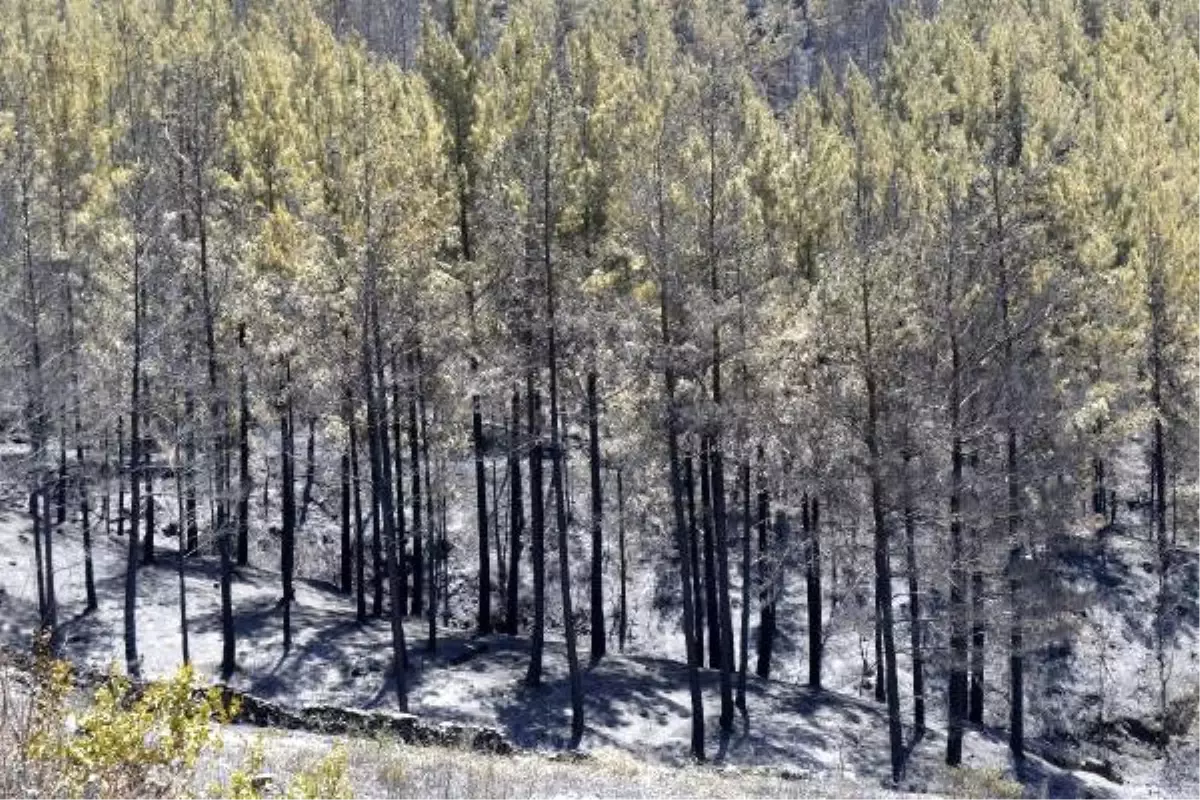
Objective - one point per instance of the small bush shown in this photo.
(972, 782)
(125, 743)
(329, 777)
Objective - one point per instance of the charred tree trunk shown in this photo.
(418, 555)
(382, 476)
(398, 467)
(624, 609)
(360, 546)
(598, 629)
(883, 572)
(245, 480)
(287, 489)
(766, 581)
(121, 468)
(435, 544)
(148, 548)
(914, 603)
(345, 563)
(812, 579)
(516, 520)
(744, 639)
(957, 701)
(310, 468)
(537, 533)
(710, 559)
(689, 481)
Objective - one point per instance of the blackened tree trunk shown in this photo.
(35, 517)
(957, 700)
(681, 538)
(710, 559)
(346, 569)
(120, 475)
(435, 545)
(148, 549)
(179, 512)
(60, 482)
(217, 418)
(766, 598)
(883, 573)
(516, 520)
(106, 481)
(376, 542)
(310, 468)
(245, 479)
(377, 414)
(132, 662)
(744, 639)
(418, 556)
(598, 629)
(689, 481)
(397, 452)
(914, 602)
(622, 629)
(51, 596)
(537, 532)
(975, 556)
(287, 489)
(880, 681)
(812, 579)
(360, 547)
(558, 446)
(89, 576)
(190, 523)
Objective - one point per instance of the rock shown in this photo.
(263, 783)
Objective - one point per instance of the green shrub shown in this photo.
(982, 782)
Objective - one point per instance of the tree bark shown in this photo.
(689, 481)
(766, 627)
(914, 603)
(516, 519)
(744, 639)
(346, 569)
(287, 489)
(812, 570)
(623, 628)
(418, 556)
(245, 479)
(710, 559)
(883, 573)
(598, 629)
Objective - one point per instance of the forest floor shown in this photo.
(813, 743)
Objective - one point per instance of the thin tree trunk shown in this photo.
(132, 662)
(346, 562)
(914, 603)
(191, 525)
(681, 538)
(398, 467)
(377, 409)
(622, 630)
(48, 553)
(310, 469)
(418, 556)
(710, 559)
(120, 475)
(245, 480)
(537, 532)
(557, 447)
(434, 544)
(816, 640)
(287, 490)
(744, 639)
(598, 629)
(360, 548)
(516, 519)
(180, 511)
(689, 481)
(35, 516)
(151, 525)
(883, 573)
(957, 701)
(766, 627)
